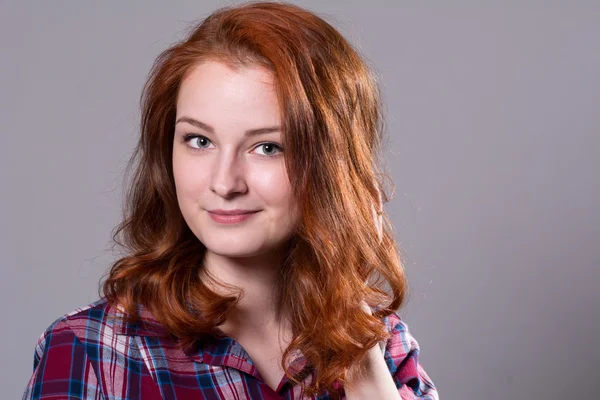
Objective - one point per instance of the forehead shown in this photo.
(214, 87)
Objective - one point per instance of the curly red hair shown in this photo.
(332, 124)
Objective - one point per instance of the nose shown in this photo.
(227, 178)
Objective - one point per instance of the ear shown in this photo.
(365, 307)
(378, 212)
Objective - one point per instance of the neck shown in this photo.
(257, 277)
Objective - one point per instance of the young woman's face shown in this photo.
(227, 156)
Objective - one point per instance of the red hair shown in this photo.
(332, 127)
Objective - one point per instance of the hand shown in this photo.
(374, 354)
(375, 351)
(371, 377)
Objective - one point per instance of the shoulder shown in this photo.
(402, 341)
(91, 316)
(84, 324)
(401, 353)
(65, 357)
(401, 349)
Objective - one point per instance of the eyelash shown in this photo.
(189, 136)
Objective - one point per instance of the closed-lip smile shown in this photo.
(232, 212)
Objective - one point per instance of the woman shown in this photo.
(256, 254)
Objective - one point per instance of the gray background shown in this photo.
(493, 114)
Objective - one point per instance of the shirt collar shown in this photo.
(215, 350)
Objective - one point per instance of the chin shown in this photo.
(242, 255)
(234, 253)
(228, 247)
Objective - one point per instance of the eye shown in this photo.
(270, 149)
(197, 140)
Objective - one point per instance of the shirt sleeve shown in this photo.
(61, 368)
(402, 357)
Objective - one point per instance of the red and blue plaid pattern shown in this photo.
(92, 354)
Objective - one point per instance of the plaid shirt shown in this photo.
(91, 354)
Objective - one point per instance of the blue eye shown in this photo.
(199, 143)
(198, 140)
(270, 149)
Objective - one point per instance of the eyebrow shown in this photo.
(210, 129)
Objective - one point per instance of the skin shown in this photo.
(223, 168)
(226, 169)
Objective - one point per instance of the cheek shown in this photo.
(272, 185)
(189, 180)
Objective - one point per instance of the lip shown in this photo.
(231, 212)
(229, 217)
